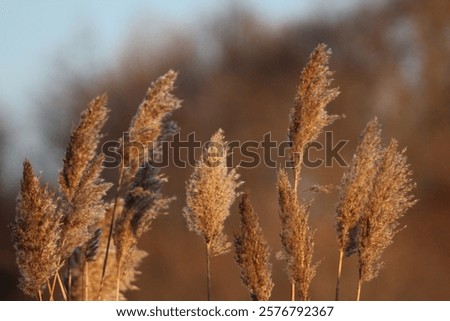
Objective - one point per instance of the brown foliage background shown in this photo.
(390, 61)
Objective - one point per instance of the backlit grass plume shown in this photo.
(138, 183)
(36, 234)
(150, 124)
(210, 193)
(389, 200)
(80, 183)
(308, 116)
(143, 203)
(296, 238)
(252, 253)
(355, 190)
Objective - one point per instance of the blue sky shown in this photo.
(34, 33)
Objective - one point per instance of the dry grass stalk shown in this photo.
(143, 203)
(151, 124)
(210, 193)
(36, 234)
(356, 187)
(390, 198)
(80, 183)
(149, 127)
(296, 237)
(308, 116)
(252, 253)
(87, 269)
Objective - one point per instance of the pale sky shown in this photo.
(33, 33)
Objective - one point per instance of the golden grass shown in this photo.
(77, 245)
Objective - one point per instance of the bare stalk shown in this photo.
(39, 294)
(358, 293)
(69, 279)
(338, 279)
(110, 233)
(61, 287)
(208, 272)
(49, 289)
(118, 283)
(86, 280)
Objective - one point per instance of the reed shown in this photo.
(252, 253)
(36, 234)
(308, 118)
(210, 192)
(354, 192)
(76, 244)
(389, 200)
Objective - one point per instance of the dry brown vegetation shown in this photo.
(58, 240)
(392, 63)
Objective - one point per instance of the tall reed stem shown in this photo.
(118, 283)
(296, 171)
(208, 271)
(111, 229)
(358, 293)
(50, 297)
(39, 292)
(86, 280)
(338, 279)
(62, 287)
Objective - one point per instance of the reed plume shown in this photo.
(308, 116)
(296, 238)
(210, 193)
(80, 183)
(252, 253)
(355, 190)
(149, 127)
(87, 269)
(143, 203)
(389, 200)
(36, 234)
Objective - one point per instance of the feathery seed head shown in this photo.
(150, 124)
(252, 253)
(390, 199)
(308, 116)
(356, 186)
(36, 233)
(210, 193)
(82, 146)
(296, 236)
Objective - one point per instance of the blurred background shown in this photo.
(238, 63)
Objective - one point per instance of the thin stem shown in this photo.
(358, 294)
(111, 229)
(118, 282)
(208, 272)
(50, 290)
(293, 291)
(297, 160)
(62, 287)
(86, 280)
(341, 257)
(69, 279)
(39, 292)
(297, 168)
